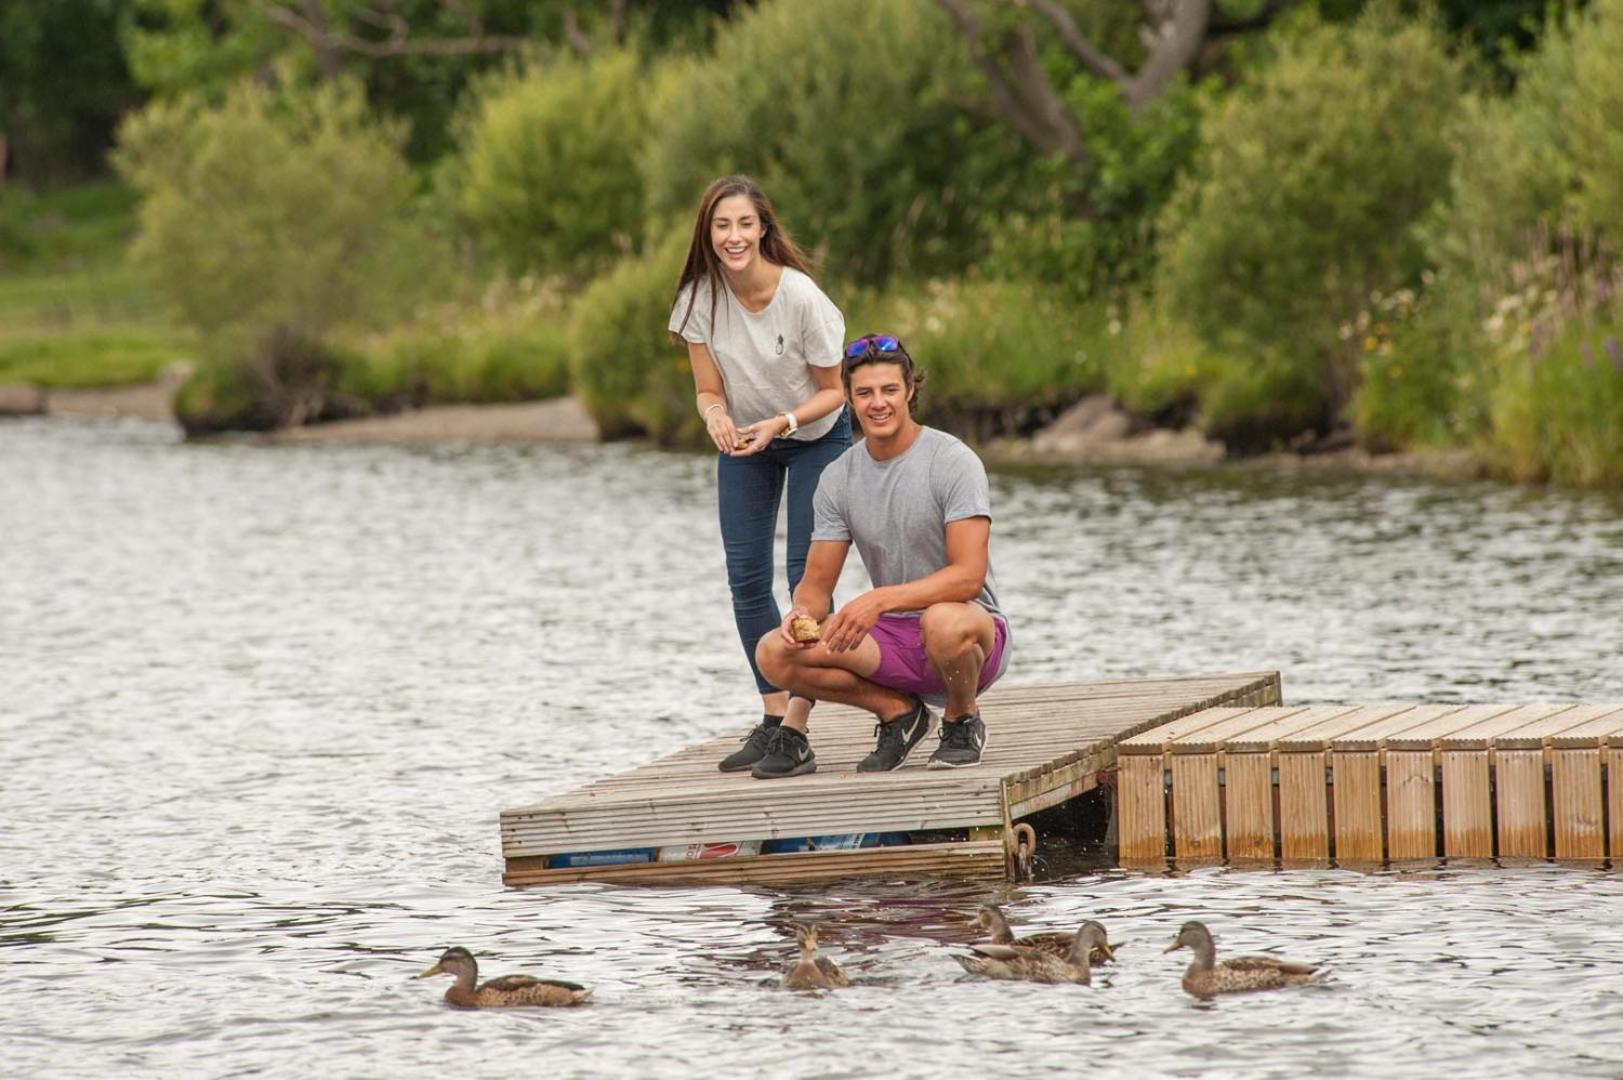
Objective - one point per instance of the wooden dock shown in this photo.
(1046, 745)
(1364, 784)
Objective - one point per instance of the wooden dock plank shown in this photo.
(1249, 806)
(1304, 816)
(1218, 736)
(1536, 733)
(1411, 805)
(1580, 828)
(1334, 721)
(979, 860)
(1047, 743)
(1605, 727)
(1467, 811)
(1519, 786)
(1141, 806)
(1442, 722)
(1614, 802)
(1196, 817)
(1288, 721)
(1373, 735)
(1357, 800)
(1178, 731)
(1485, 732)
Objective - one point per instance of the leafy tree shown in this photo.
(547, 177)
(416, 57)
(842, 110)
(1316, 173)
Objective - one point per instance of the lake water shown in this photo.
(259, 708)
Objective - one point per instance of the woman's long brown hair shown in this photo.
(776, 244)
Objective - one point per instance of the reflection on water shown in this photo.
(261, 707)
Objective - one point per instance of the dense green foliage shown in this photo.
(842, 110)
(266, 213)
(548, 177)
(632, 379)
(1398, 217)
(1315, 175)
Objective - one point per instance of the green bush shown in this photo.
(464, 362)
(548, 180)
(1160, 368)
(1315, 174)
(1594, 119)
(841, 110)
(1000, 358)
(270, 213)
(99, 358)
(1036, 230)
(1513, 171)
(622, 363)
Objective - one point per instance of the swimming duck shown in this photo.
(1206, 978)
(810, 971)
(1027, 964)
(1056, 943)
(501, 992)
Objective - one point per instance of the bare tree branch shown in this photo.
(575, 35)
(1080, 47)
(329, 43)
(1176, 42)
(1026, 101)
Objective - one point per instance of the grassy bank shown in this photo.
(72, 314)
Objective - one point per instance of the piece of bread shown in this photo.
(806, 629)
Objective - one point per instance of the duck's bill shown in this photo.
(1109, 953)
(435, 970)
(1176, 944)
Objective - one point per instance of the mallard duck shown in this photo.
(1027, 964)
(1056, 942)
(501, 992)
(1206, 978)
(810, 971)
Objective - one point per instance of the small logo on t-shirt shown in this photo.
(780, 344)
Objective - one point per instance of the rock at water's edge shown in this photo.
(22, 399)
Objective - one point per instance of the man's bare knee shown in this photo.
(775, 659)
(948, 629)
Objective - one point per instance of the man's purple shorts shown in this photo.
(904, 665)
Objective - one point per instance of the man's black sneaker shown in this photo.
(961, 743)
(754, 748)
(897, 738)
(788, 753)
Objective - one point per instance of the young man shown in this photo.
(915, 502)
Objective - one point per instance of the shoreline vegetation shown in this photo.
(566, 420)
(1220, 263)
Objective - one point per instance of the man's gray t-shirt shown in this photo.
(897, 511)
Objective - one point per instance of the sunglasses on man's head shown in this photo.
(882, 343)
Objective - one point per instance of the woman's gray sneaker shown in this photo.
(961, 744)
(788, 753)
(896, 738)
(754, 748)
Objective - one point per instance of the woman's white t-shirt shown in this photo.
(766, 356)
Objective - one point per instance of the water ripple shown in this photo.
(262, 707)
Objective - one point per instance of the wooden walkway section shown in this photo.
(1045, 745)
(1365, 784)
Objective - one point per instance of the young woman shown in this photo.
(764, 344)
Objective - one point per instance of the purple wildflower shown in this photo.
(1614, 352)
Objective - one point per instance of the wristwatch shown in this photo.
(794, 425)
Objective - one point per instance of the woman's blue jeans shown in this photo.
(748, 491)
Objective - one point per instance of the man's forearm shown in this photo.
(951, 584)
